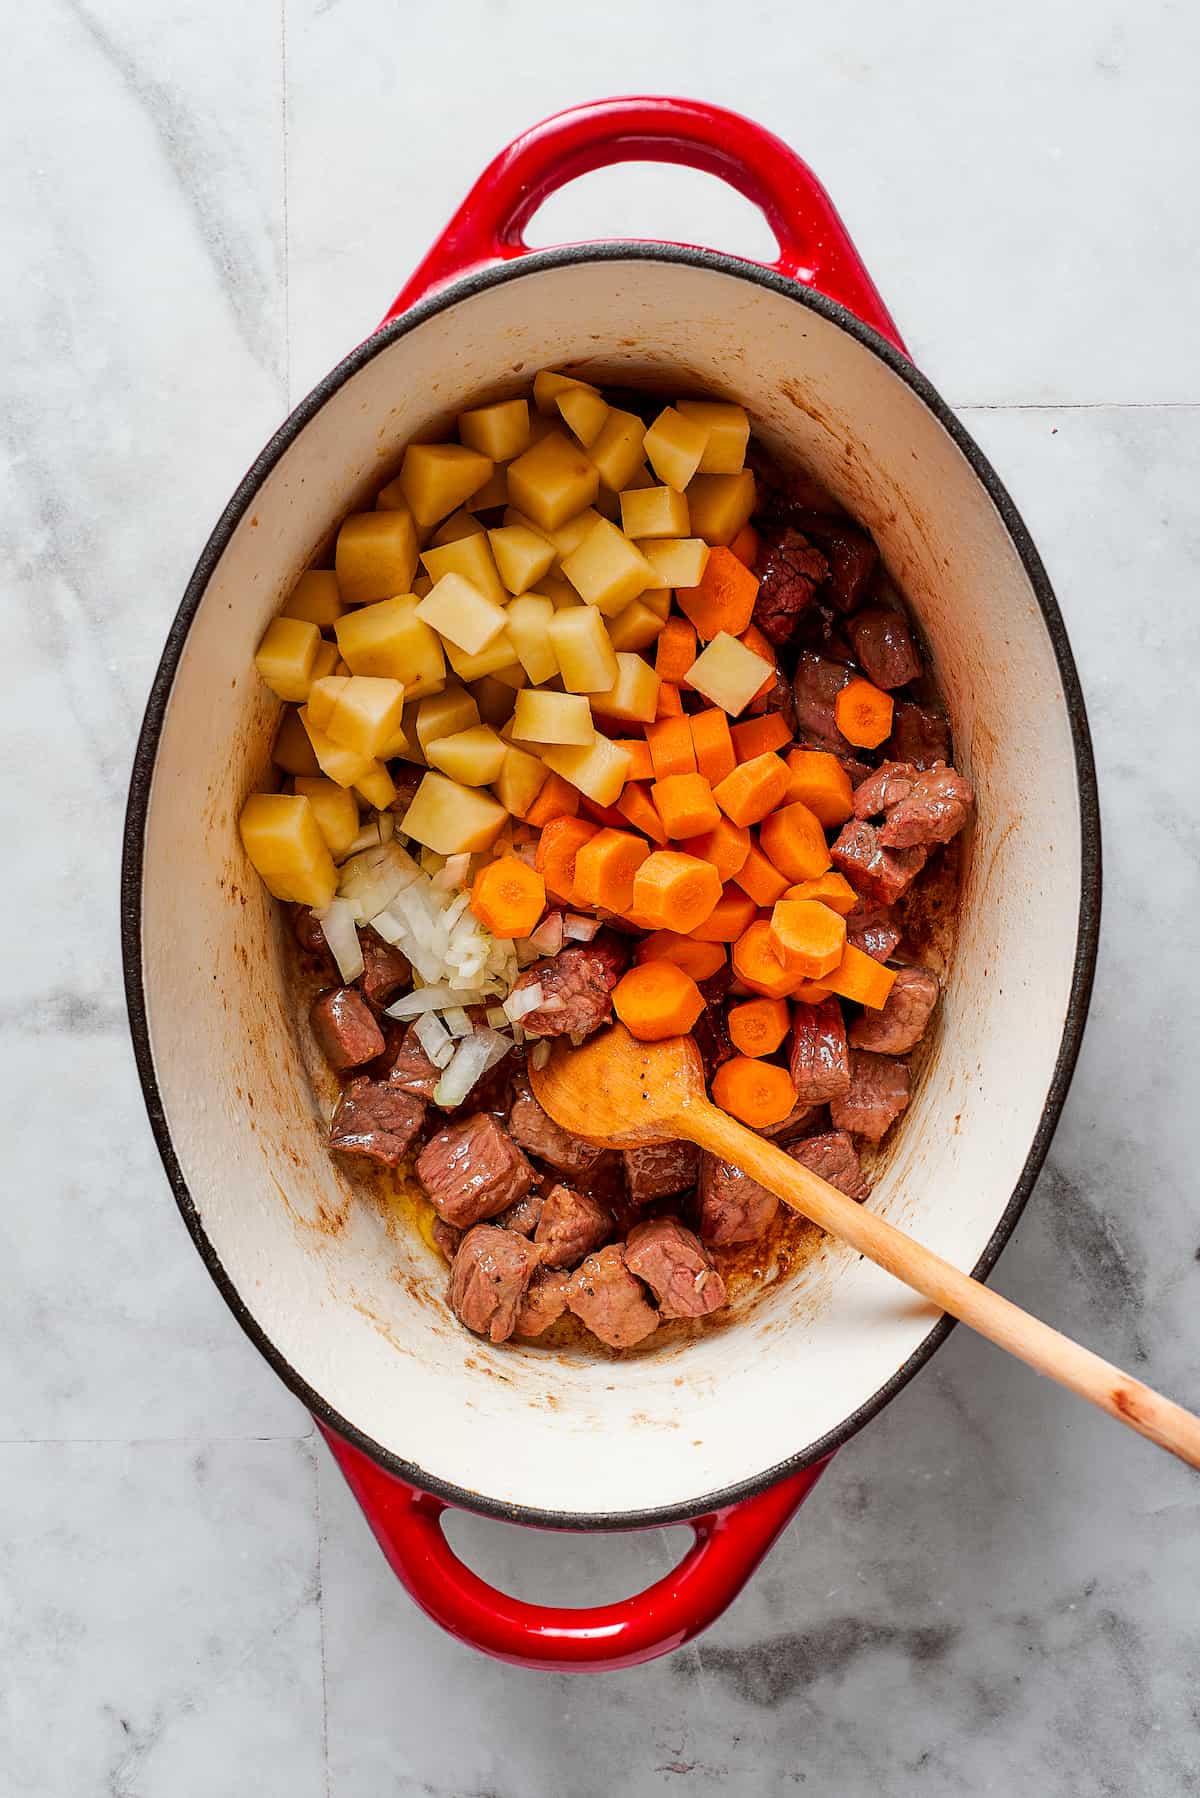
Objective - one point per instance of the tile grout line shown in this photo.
(287, 245)
(1074, 405)
(316, 1460)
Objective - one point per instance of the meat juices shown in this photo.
(571, 1225)
(605, 1296)
(676, 1266)
(473, 1170)
(878, 1093)
(581, 980)
(345, 1028)
(819, 1060)
(376, 1119)
(900, 1025)
(733, 1207)
(660, 1170)
(488, 1277)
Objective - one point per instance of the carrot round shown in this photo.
(758, 1026)
(675, 650)
(860, 977)
(726, 846)
(557, 799)
(808, 937)
(508, 897)
(685, 804)
(863, 714)
(554, 858)
(700, 960)
(605, 866)
(833, 890)
(713, 744)
(733, 914)
(760, 878)
(669, 741)
(745, 546)
(818, 780)
(757, 736)
(675, 891)
(657, 999)
(637, 808)
(753, 789)
(758, 967)
(724, 600)
(793, 840)
(760, 1093)
(668, 704)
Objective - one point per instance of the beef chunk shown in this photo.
(572, 1224)
(789, 571)
(878, 1094)
(473, 1170)
(883, 644)
(581, 980)
(661, 1169)
(873, 929)
(676, 1267)
(778, 697)
(901, 1022)
(406, 777)
(411, 1069)
(875, 872)
(817, 683)
(850, 553)
(539, 1135)
(883, 787)
(834, 1157)
(544, 1302)
(523, 1216)
(346, 1032)
(606, 1297)
(385, 970)
(920, 735)
(733, 1207)
(710, 1032)
(934, 810)
(307, 931)
(488, 1277)
(819, 1061)
(376, 1119)
(801, 1117)
(446, 1236)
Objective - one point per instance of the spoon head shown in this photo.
(620, 1092)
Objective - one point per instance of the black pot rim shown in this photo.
(134, 843)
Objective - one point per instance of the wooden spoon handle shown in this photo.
(1045, 1350)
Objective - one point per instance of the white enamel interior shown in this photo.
(357, 1311)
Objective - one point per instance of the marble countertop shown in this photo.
(993, 1589)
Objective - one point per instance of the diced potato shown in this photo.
(678, 561)
(584, 412)
(283, 841)
(522, 555)
(459, 524)
(376, 556)
(412, 750)
(367, 715)
(654, 512)
(461, 614)
(529, 627)
(599, 771)
(675, 446)
(727, 672)
(376, 786)
(559, 592)
(444, 713)
(728, 434)
(341, 667)
(335, 810)
(552, 481)
(521, 778)
(389, 639)
(391, 498)
(540, 716)
(547, 385)
(658, 599)
(587, 660)
(618, 451)
(641, 477)
(500, 653)
(567, 537)
(514, 677)
(495, 700)
(493, 493)
(472, 558)
(499, 431)
(342, 765)
(720, 504)
(323, 697)
(326, 661)
(637, 627)
(608, 504)
(474, 756)
(607, 569)
(422, 586)
(435, 478)
(633, 696)
(292, 750)
(452, 819)
(315, 598)
(286, 655)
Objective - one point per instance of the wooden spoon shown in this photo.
(624, 1093)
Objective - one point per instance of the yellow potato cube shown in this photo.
(547, 385)
(342, 765)
(599, 771)
(292, 751)
(514, 676)
(391, 498)
(494, 699)
(376, 786)
(675, 446)
(522, 555)
(367, 715)
(641, 477)
(658, 600)
(654, 512)
(315, 598)
(637, 627)
(452, 819)
(633, 696)
(459, 524)
(583, 411)
(376, 556)
(540, 716)
(618, 451)
(567, 537)
(445, 713)
(471, 557)
(474, 756)
(727, 672)
(323, 697)
(552, 481)
(608, 504)
(422, 586)
(390, 640)
(335, 810)
(326, 662)
(607, 570)
(499, 431)
(559, 592)
(286, 655)
(529, 627)
(521, 778)
(678, 561)
(728, 434)
(435, 478)
(493, 493)
(501, 653)
(412, 751)
(513, 520)
(285, 847)
(587, 660)
(720, 504)
(462, 616)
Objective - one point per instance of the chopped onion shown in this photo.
(526, 852)
(387, 825)
(526, 956)
(427, 998)
(474, 1055)
(518, 1033)
(434, 1038)
(341, 933)
(553, 1003)
(521, 1001)
(578, 1038)
(539, 1055)
(457, 1022)
(367, 838)
(453, 874)
(547, 939)
(579, 930)
(496, 1016)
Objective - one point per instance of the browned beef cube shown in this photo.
(819, 1060)
(873, 929)
(789, 571)
(800, 1118)
(733, 1207)
(307, 931)
(544, 1302)
(346, 1032)
(473, 1170)
(884, 786)
(879, 1088)
(920, 735)
(817, 683)
(660, 1170)
(578, 984)
(488, 1278)
(676, 1267)
(523, 1216)
(710, 1032)
(446, 1237)
(376, 1119)
(900, 1023)
(851, 555)
(606, 1297)
(539, 1135)
(572, 1224)
(874, 871)
(385, 970)
(883, 644)
(411, 1068)
(406, 777)
(935, 809)
(834, 1157)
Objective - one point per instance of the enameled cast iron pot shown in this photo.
(729, 1433)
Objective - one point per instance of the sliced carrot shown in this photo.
(637, 808)
(713, 744)
(640, 765)
(863, 713)
(557, 799)
(758, 736)
(605, 867)
(758, 1026)
(675, 650)
(754, 639)
(760, 878)
(792, 838)
(657, 999)
(809, 938)
(508, 897)
(733, 914)
(758, 967)
(554, 858)
(831, 889)
(745, 546)
(860, 977)
(818, 780)
(812, 992)
(608, 815)
(752, 790)
(700, 960)
(670, 743)
(669, 704)
(726, 846)
(725, 597)
(685, 804)
(760, 1093)
(675, 891)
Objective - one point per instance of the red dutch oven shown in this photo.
(728, 1433)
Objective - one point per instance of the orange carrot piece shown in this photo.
(675, 891)
(818, 780)
(792, 838)
(641, 767)
(754, 640)
(700, 960)
(685, 804)
(657, 999)
(726, 846)
(637, 808)
(669, 704)
(607, 815)
(760, 878)
(809, 938)
(758, 736)
(758, 967)
(860, 977)
(554, 858)
(812, 992)
(670, 744)
(713, 744)
(831, 889)
(752, 790)
(863, 713)
(760, 1093)
(605, 867)
(557, 799)
(758, 1026)
(508, 897)
(675, 650)
(745, 546)
(729, 918)
(725, 597)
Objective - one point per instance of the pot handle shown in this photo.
(728, 1546)
(814, 246)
